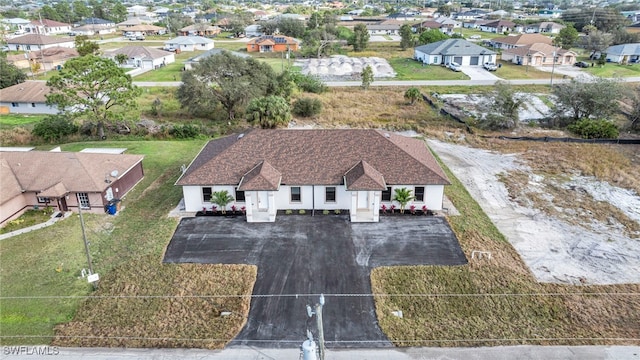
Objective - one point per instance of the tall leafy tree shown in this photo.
(269, 112)
(406, 37)
(230, 80)
(503, 108)
(567, 37)
(360, 38)
(118, 13)
(291, 27)
(597, 41)
(81, 10)
(431, 36)
(86, 46)
(587, 99)
(9, 73)
(93, 88)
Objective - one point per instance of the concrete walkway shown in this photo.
(494, 353)
(54, 218)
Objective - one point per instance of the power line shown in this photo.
(313, 295)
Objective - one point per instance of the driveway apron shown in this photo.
(299, 257)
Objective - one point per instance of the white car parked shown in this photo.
(454, 66)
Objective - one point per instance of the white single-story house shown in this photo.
(64, 180)
(143, 57)
(459, 51)
(13, 24)
(28, 97)
(498, 26)
(514, 41)
(624, 53)
(32, 42)
(313, 170)
(547, 27)
(47, 27)
(383, 29)
(189, 43)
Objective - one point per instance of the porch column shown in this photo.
(248, 198)
(376, 205)
(272, 206)
(354, 206)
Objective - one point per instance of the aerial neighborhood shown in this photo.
(319, 178)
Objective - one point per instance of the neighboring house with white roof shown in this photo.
(31, 42)
(28, 97)
(143, 57)
(624, 53)
(48, 27)
(64, 180)
(14, 24)
(189, 43)
(545, 27)
(267, 171)
(459, 51)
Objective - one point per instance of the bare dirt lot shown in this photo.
(568, 225)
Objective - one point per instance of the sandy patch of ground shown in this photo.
(566, 245)
(345, 67)
(533, 108)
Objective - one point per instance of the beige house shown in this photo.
(539, 55)
(511, 42)
(64, 180)
(32, 42)
(49, 58)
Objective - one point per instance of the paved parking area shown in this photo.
(302, 255)
(478, 73)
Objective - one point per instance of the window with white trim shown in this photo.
(330, 194)
(43, 200)
(83, 200)
(240, 195)
(419, 193)
(206, 194)
(386, 194)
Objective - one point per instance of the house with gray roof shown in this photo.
(189, 43)
(460, 51)
(29, 97)
(624, 53)
(351, 170)
(143, 57)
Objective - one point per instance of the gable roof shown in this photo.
(26, 92)
(624, 49)
(144, 27)
(262, 177)
(523, 39)
(58, 173)
(499, 23)
(546, 25)
(38, 39)
(97, 21)
(451, 47)
(189, 40)
(10, 185)
(363, 176)
(532, 49)
(49, 23)
(200, 27)
(315, 157)
(142, 52)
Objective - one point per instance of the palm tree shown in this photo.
(412, 94)
(222, 199)
(402, 196)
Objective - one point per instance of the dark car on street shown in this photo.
(582, 64)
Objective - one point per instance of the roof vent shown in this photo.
(387, 135)
(240, 136)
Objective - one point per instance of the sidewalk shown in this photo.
(55, 217)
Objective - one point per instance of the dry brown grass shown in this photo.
(137, 320)
(497, 301)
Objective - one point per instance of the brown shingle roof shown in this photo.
(363, 176)
(37, 39)
(26, 92)
(10, 185)
(144, 52)
(76, 171)
(524, 39)
(544, 49)
(262, 177)
(49, 23)
(314, 157)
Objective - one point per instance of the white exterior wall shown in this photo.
(27, 108)
(283, 198)
(193, 200)
(433, 196)
(343, 198)
(427, 58)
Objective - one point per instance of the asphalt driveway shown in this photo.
(302, 255)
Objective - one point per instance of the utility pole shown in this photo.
(553, 66)
(86, 249)
(318, 313)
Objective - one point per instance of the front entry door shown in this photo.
(62, 204)
(363, 199)
(263, 200)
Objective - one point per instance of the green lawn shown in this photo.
(511, 71)
(409, 69)
(610, 70)
(12, 120)
(483, 35)
(47, 262)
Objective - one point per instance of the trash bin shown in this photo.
(111, 209)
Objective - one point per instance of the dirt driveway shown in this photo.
(299, 257)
